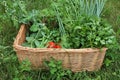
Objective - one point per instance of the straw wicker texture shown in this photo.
(74, 59)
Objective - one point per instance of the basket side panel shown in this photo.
(88, 60)
(20, 38)
(99, 60)
(37, 59)
(74, 61)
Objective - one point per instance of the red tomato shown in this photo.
(51, 44)
(57, 46)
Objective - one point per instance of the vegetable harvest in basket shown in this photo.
(70, 26)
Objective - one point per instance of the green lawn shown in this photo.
(11, 69)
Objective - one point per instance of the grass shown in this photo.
(11, 69)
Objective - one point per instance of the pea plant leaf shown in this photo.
(52, 64)
(52, 71)
(26, 44)
(102, 42)
(37, 43)
(29, 39)
(34, 28)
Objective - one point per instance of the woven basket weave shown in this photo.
(75, 59)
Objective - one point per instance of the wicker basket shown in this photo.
(75, 59)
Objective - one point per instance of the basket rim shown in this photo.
(85, 50)
(17, 47)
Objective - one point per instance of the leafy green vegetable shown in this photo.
(34, 28)
(37, 43)
(29, 39)
(77, 28)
